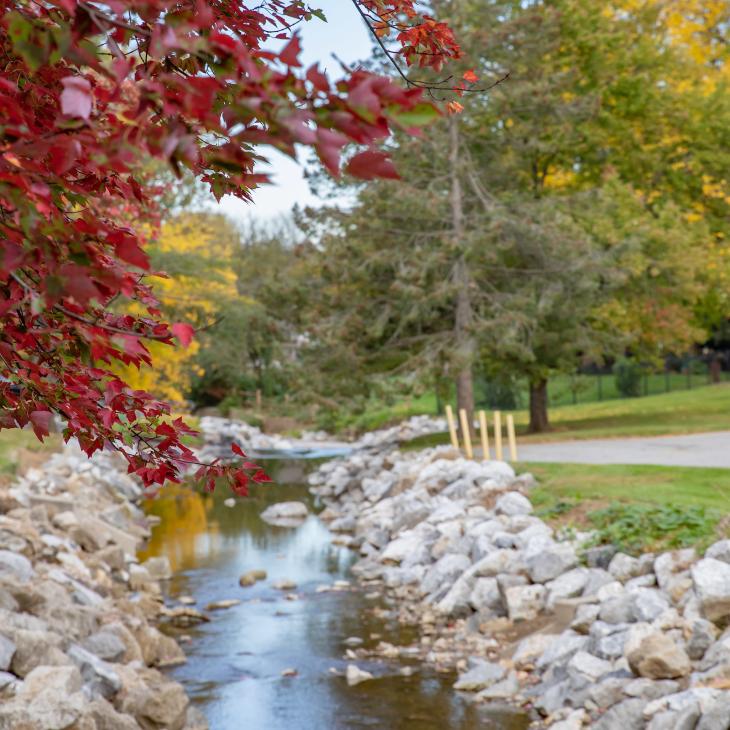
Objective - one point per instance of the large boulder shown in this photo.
(524, 602)
(158, 567)
(658, 657)
(403, 547)
(531, 647)
(711, 580)
(584, 665)
(7, 651)
(444, 572)
(457, 601)
(626, 715)
(667, 565)
(567, 585)
(513, 503)
(99, 676)
(702, 636)
(486, 595)
(480, 675)
(548, 561)
(285, 514)
(152, 700)
(15, 566)
(105, 717)
(107, 645)
(499, 561)
(158, 650)
(623, 567)
(617, 610)
(563, 647)
(648, 603)
(36, 648)
(719, 551)
(48, 699)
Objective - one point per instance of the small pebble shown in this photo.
(355, 675)
(284, 585)
(220, 605)
(249, 578)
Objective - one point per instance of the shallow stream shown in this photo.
(235, 662)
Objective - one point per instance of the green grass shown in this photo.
(703, 409)
(567, 390)
(14, 443)
(379, 415)
(635, 507)
(563, 390)
(684, 486)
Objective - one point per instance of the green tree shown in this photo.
(532, 230)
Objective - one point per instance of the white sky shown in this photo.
(345, 36)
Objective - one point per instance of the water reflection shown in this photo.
(236, 661)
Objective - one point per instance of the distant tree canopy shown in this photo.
(576, 212)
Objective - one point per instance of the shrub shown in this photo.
(633, 528)
(628, 374)
(499, 393)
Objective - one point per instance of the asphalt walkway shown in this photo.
(697, 449)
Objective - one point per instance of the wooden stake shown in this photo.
(484, 431)
(258, 399)
(511, 437)
(452, 427)
(466, 433)
(498, 436)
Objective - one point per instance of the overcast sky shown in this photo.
(345, 36)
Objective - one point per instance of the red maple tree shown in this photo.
(90, 92)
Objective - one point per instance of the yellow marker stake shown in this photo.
(498, 436)
(484, 431)
(452, 427)
(511, 437)
(466, 433)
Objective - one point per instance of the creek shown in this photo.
(235, 662)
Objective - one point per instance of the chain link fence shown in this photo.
(624, 379)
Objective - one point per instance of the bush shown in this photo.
(497, 393)
(633, 528)
(628, 374)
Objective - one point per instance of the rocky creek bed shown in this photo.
(577, 636)
(80, 646)
(572, 635)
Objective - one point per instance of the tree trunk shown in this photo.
(715, 369)
(463, 321)
(539, 406)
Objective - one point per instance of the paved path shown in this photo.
(698, 449)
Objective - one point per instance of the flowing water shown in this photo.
(235, 662)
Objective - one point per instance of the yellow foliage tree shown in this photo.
(196, 252)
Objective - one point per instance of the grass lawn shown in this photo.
(689, 411)
(637, 507)
(18, 446)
